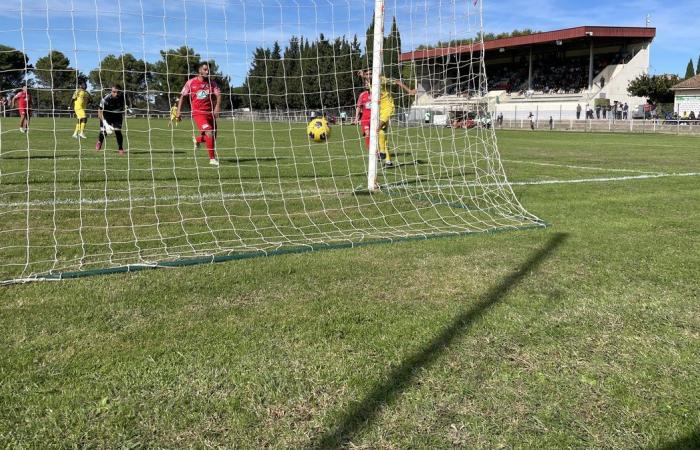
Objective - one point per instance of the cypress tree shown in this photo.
(690, 70)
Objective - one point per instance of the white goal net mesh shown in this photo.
(68, 207)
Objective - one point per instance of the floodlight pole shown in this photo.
(377, 63)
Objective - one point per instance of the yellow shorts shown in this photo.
(80, 114)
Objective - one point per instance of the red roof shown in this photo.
(537, 38)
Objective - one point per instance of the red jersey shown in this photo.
(364, 102)
(201, 95)
(23, 100)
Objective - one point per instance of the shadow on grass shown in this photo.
(363, 413)
(688, 442)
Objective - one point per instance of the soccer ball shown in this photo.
(318, 130)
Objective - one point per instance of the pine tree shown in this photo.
(392, 52)
(690, 70)
(697, 67)
(292, 72)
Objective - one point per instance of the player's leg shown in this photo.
(365, 133)
(82, 122)
(120, 140)
(207, 130)
(100, 139)
(116, 123)
(383, 145)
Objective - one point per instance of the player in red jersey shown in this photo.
(205, 101)
(24, 104)
(363, 114)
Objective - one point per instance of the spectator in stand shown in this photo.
(602, 82)
(605, 111)
(597, 111)
(532, 121)
(625, 110)
(692, 115)
(500, 119)
(551, 123)
(578, 111)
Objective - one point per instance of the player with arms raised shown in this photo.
(205, 101)
(79, 102)
(24, 103)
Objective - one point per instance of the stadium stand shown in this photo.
(550, 73)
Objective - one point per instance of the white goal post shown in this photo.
(236, 172)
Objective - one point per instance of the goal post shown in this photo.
(267, 157)
(377, 67)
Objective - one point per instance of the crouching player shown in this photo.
(111, 115)
(205, 101)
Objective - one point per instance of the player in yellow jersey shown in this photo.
(174, 116)
(386, 110)
(80, 98)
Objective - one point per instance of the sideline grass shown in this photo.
(583, 335)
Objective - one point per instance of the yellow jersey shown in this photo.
(173, 112)
(79, 100)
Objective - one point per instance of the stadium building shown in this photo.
(548, 74)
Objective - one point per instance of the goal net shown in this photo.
(281, 162)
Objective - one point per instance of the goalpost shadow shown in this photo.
(363, 413)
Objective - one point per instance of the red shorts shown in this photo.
(205, 122)
(23, 112)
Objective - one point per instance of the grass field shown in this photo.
(585, 334)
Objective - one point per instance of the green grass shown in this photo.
(582, 335)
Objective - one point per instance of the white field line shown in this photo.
(567, 166)
(316, 192)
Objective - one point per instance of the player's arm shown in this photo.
(359, 107)
(179, 104)
(217, 94)
(100, 109)
(405, 88)
(217, 106)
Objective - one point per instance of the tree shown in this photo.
(657, 88)
(690, 70)
(170, 73)
(126, 70)
(697, 67)
(392, 52)
(56, 81)
(14, 66)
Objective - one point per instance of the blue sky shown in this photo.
(229, 30)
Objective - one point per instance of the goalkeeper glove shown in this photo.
(108, 129)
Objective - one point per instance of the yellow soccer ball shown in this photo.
(318, 130)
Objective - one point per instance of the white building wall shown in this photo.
(687, 100)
